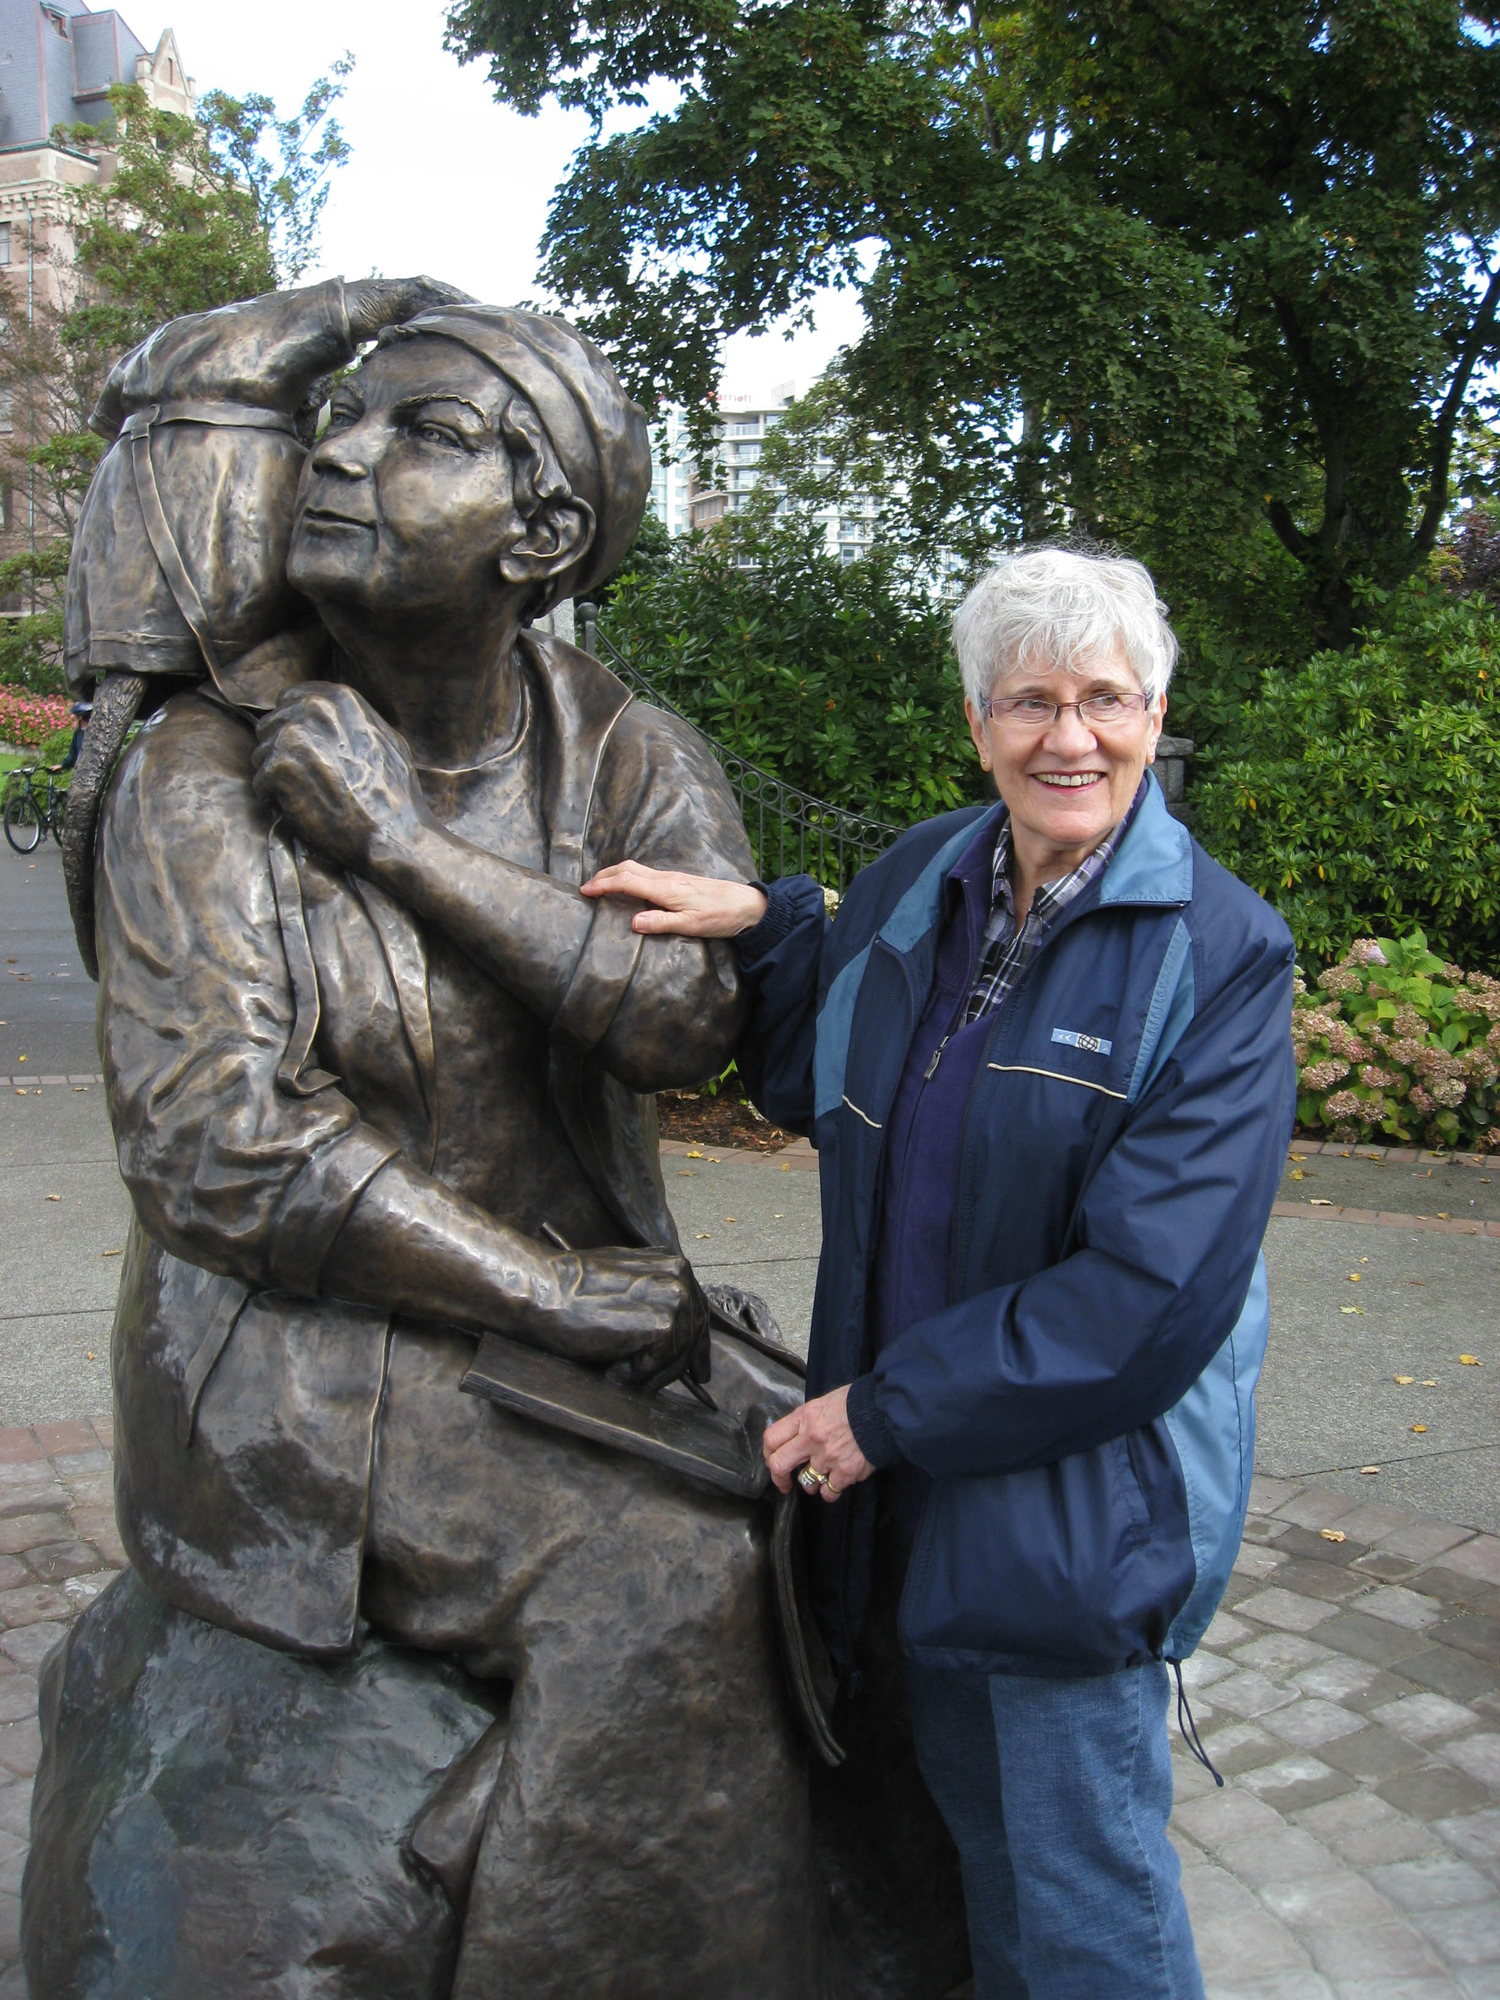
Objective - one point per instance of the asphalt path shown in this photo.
(46, 997)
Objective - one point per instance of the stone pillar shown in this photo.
(559, 622)
(1172, 754)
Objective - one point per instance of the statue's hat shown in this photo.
(597, 432)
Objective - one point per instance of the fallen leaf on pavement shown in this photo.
(1295, 1174)
(1354, 1277)
(1470, 1360)
(1369, 1468)
(1332, 1534)
(1406, 1380)
(1316, 1202)
(54, 1197)
(694, 1156)
(1419, 1428)
(111, 1253)
(1429, 1385)
(1359, 1310)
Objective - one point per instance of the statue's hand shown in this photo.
(640, 1307)
(373, 303)
(342, 776)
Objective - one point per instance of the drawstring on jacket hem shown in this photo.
(1189, 1728)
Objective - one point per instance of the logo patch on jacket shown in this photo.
(1093, 1045)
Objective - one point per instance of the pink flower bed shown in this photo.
(29, 719)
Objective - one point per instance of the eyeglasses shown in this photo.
(1112, 710)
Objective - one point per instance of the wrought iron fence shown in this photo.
(791, 832)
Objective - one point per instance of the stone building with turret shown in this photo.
(58, 61)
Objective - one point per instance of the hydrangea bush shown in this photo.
(1395, 1041)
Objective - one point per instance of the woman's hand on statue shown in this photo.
(637, 1307)
(817, 1436)
(681, 905)
(340, 774)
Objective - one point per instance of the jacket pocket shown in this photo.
(1056, 1569)
(1135, 1516)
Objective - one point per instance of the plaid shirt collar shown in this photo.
(1008, 950)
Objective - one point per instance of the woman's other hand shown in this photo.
(817, 1435)
(682, 905)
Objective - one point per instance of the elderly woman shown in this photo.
(1043, 1053)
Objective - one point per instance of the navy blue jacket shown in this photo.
(1083, 1401)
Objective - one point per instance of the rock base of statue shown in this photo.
(208, 1809)
(206, 1802)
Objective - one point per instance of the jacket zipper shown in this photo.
(1005, 1008)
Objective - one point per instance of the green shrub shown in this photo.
(1395, 1040)
(837, 677)
(1362, 792)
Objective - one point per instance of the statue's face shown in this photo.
(405, 502)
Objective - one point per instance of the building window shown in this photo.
(752, 429)
(5, 407)
(4, 242)
(7, 501)
(59, 21)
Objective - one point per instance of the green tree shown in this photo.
(1359, 792)
(1214, 278)
(835, 676)
(196, 213)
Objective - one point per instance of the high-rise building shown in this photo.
(724, 486)
(670, 473)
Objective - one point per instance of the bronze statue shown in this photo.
(381, 1081)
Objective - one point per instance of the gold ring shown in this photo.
(810, 1479)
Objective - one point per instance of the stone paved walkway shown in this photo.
(1349, 1690)
(58, 1549)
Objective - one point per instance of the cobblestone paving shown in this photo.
(1349, 1690)
(58, 1549)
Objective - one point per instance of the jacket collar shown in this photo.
(1152, 866)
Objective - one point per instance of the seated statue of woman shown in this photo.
(380, 1079)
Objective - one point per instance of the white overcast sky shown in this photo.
(442, 178)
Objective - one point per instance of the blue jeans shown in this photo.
(1057, 1794)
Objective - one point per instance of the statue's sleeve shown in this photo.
(264, 352)
(226, 1168)
(661, 1011)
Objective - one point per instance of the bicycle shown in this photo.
(34, 805)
